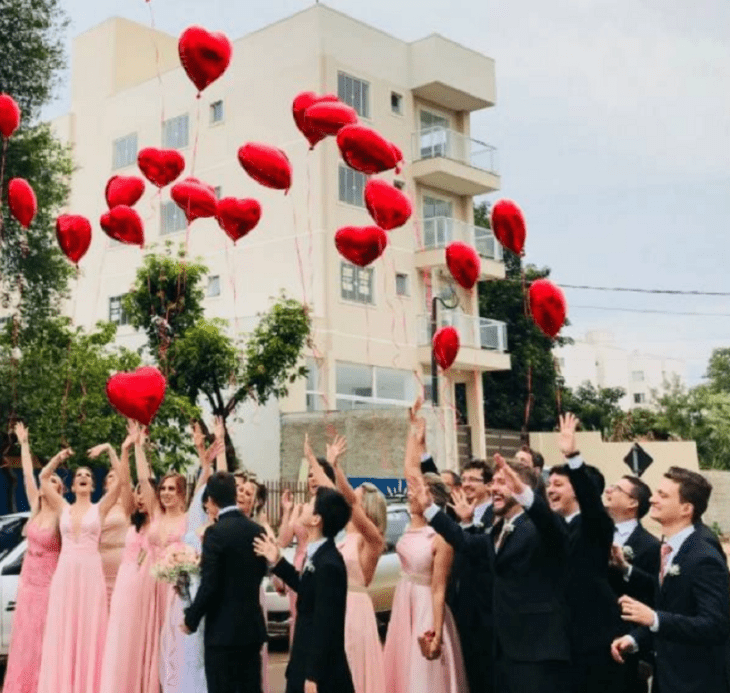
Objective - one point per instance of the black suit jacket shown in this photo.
(694, 622)
(230, 579)
(595, 619)
(530, 614)
(640, 585)
(318, 650)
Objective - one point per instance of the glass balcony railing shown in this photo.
(474, 331)
(438, 232)
(439, 141)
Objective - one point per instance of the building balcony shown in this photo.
(438, 232)
(483, 342)
(448, 160)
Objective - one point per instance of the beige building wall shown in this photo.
(126, 79)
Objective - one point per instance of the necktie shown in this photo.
(665, 551)
(500, 538)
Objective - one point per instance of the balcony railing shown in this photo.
(439, 141)
(474, 332)
(438, 232)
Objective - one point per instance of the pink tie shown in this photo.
(666, 550)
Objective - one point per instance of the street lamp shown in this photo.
(449, 300)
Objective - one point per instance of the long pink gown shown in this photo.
(29, 620)
(112, 545)
(73, 643)
(154, 599)
(406, 669)
(362, 642)
(122, 662)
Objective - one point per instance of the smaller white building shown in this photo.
(597, 359)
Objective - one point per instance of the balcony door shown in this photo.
(437, 222)
(434, 134)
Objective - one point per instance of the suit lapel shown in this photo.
(679, 556)
(634, 537)
(516, 524)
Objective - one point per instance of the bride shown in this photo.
(182, 659)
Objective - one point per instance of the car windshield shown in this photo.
(11, 534)
(398, 520)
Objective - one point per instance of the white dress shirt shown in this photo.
(227, 509)
(623, 531)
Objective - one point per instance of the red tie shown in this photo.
(666, 550)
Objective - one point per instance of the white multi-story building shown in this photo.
(597, 359)
(371, 326)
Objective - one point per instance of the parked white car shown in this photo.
(381, 589)
(12, 550)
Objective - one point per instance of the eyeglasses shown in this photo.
(614, 487)
(474, 479)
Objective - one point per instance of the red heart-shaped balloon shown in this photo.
(548, 306)
(266, 165)
(123, 190)
(74, 236)
(238, 217)
(9, 115)
(446, 346)
(463, 263)
(366, 150)
(361, 245)
(301, 103)
(137, 395)
(387, 205)
(160, 166)
(204, 55)
(22, 201)
(327, 118)
(123, 224)
(508, 225)
(196, 199)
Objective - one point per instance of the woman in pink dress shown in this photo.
(167, 527)
(39, 564)
(419, 603)
(116, 525)
(73, 643)
(122, 661)
(362, 547)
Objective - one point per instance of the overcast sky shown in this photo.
(613, 129)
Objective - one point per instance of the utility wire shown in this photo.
(672, 292)
(647, 310)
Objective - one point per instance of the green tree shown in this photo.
(199, 356)
(532, 377)
(597, 408)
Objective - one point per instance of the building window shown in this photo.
(637, 376)
(639, 398)
(561, 362)
(352, 186)
(354, 92)
(116, 311)
(367, 387)
(400, 184)
(124, 151)
(396, 103)
(216, 112)
(214, 286)
(315, 393)
(401, 284)
(175, 132)
(218, 190)
(172, 218)
(356, 283)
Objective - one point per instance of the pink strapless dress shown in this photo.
(406, 669)
(154, 599)
(122, 662)
(362, 642)
(73, 643)
(112, 545)
(29, 620)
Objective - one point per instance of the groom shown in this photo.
(228, 596)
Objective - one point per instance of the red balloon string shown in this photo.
(309, 224)
(391, 307)
(299, 255)
(157, 62)
(2, 183)
(367, 332)
(530, 398)
(525, 296)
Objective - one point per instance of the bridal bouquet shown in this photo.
(178, 563)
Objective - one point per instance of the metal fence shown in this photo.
(275, 490)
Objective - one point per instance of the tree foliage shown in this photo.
(532, 377)
(595, 407)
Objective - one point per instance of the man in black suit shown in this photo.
(469, 594)
(690, 627)
(526, 552)
(318, 663)
(228, 596)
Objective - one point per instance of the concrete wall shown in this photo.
(719, 509)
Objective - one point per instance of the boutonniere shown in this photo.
(628, 553)
(308, 567)
(479, 525)
(508, 529)
(672, 570)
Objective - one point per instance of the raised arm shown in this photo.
(126, 491)
(112, 495)
(26, 460)
(220, 436)
(143, 473)
(52, 496)
(286, 532)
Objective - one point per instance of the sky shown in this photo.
(613, 129)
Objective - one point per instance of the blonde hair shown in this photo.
(37, 510)
(437, 487)
(374, 505)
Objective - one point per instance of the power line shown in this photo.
(647, 310)
(671, 292)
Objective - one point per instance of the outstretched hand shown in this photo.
(132, 434)
(461, 506)
(212, 452)
(198, 436)
(287, 501)
(21, 433)
(219, 429)
(62, 456)
(264, 545)
(98, 450)
(514, 483)
(336, 449)
(566, 436)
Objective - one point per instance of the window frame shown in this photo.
(401, 100)
(373, 402)
(212, 277)
(167, 125)
(407, 278)
(344, 265)
(116, 165)
(123, 317)
(342, 78)
(213, 105)
(178, 213)
(342, 185)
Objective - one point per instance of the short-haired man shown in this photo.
(690, 626)
(318, 663)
